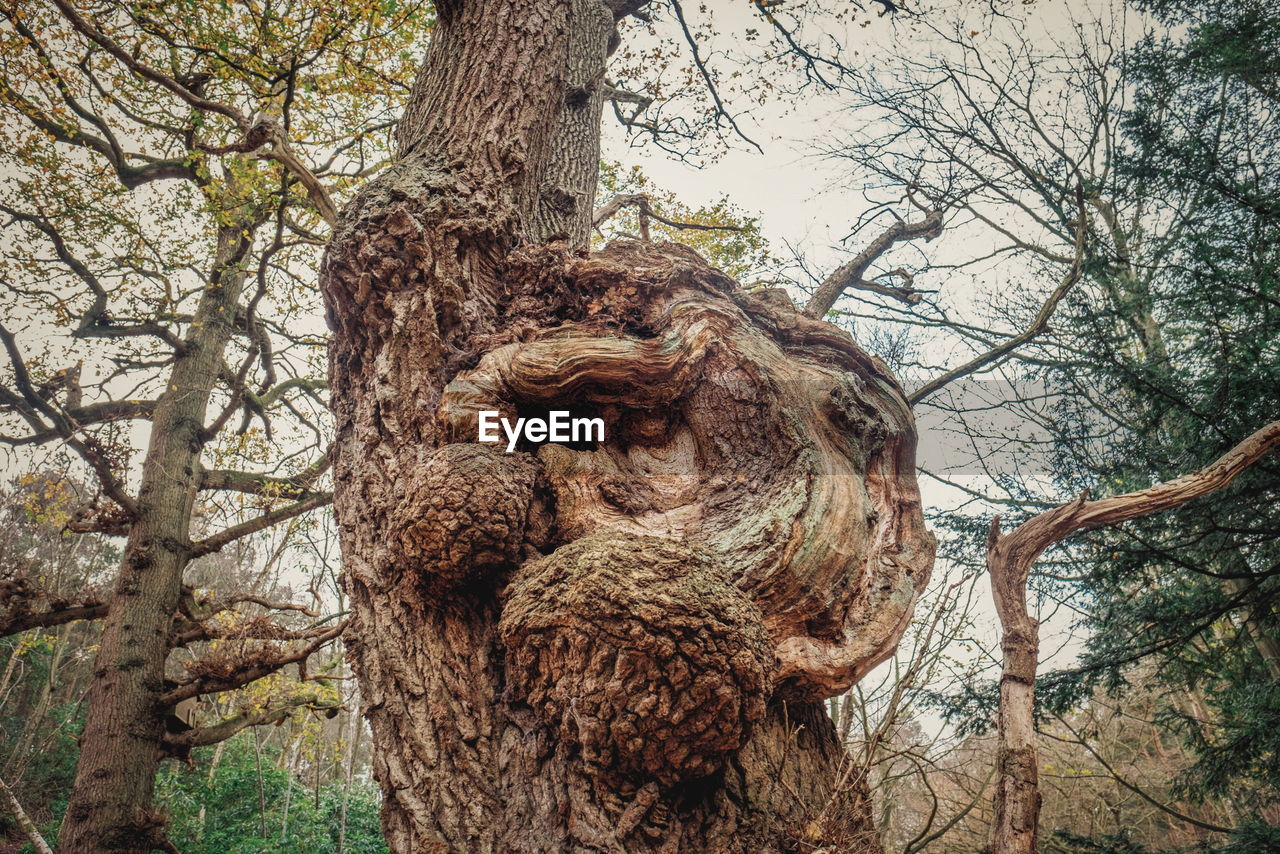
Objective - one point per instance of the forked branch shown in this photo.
(1037, 327)
(852, 274)
(267, 135)
(218, 541)
(644, 207)
(1009, 561)
(219, 676)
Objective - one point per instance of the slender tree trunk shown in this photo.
(212, 775)
(262, 794)
(1010, 558)
(288, 801)
(348, 776)
(16, 766)
(8, 676)
(1017, 795)
(24, 821)
(110, 808)
(621, 645)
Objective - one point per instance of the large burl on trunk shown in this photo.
(616, 646)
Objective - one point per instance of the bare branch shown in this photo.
(706, 75)
(88, 448)
(852, 274)
(221, 539)
(622, 96)
(1032, 537)
(1037, 327)
(138, 67)
(202, 610)
(234, 675)
(1115, 775)
(641, 202)
(24, 821)
(95, 413)
(130, 176)
(272, 132)
(96, 321)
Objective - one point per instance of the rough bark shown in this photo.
(568, 190)
(1009, 561)
(121, 746)
(611, 646)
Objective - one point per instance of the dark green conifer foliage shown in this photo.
(1188, 360)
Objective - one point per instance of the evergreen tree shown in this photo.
(1188, 359)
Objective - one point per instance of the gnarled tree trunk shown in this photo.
(604, 646)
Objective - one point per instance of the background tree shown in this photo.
(1204, 138)
(1009, 561)
(1159, 358)
(167, 182)
(46, 669)
(313, 770)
